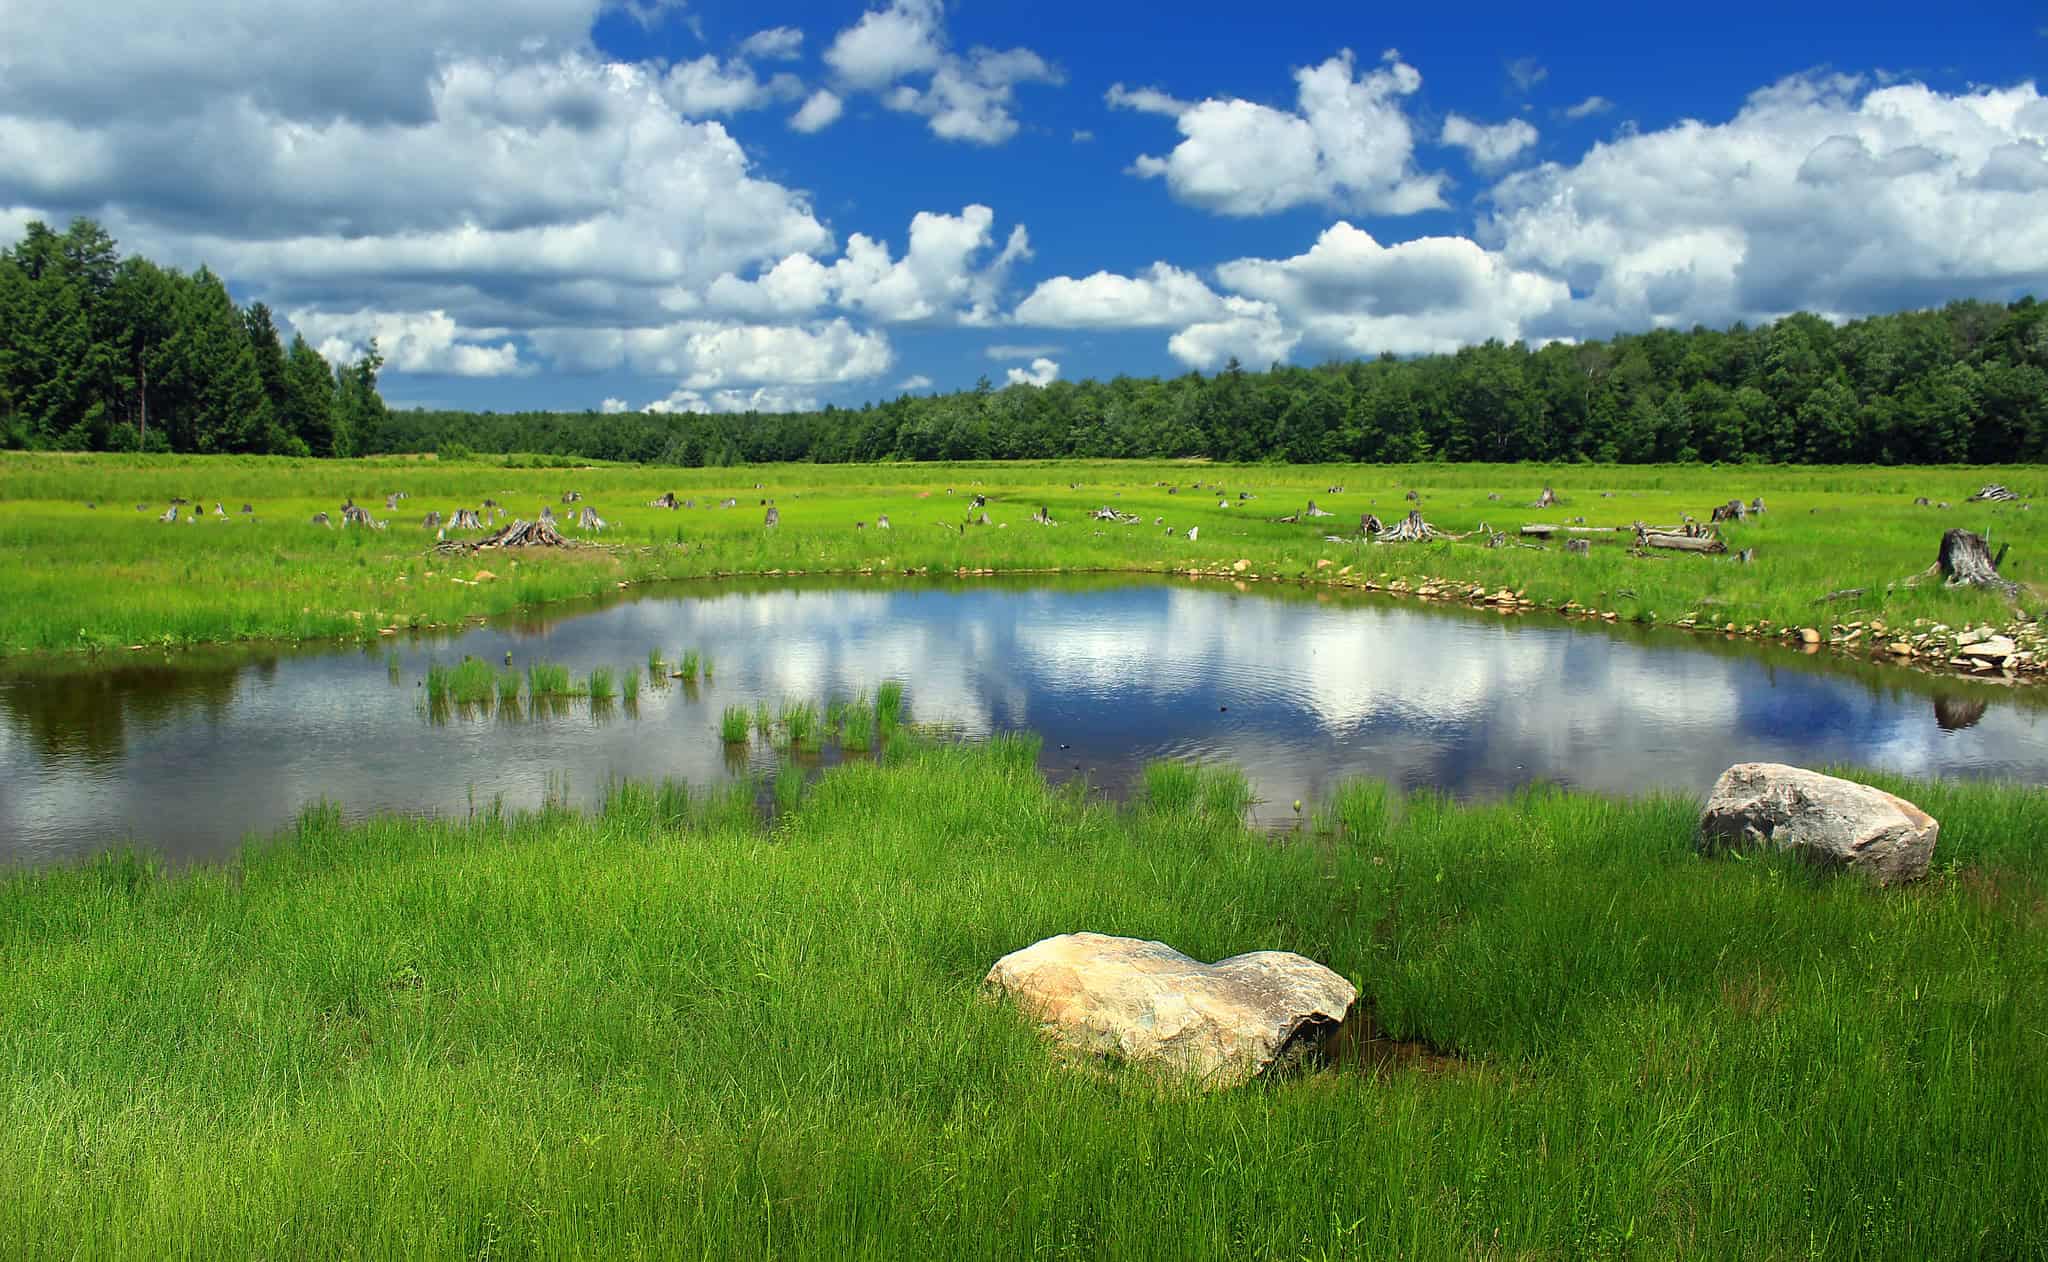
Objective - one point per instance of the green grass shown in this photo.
(764, 721)
(508, 687)
(857, 727)
(789, 788)
(889, 703)
(732, 725)
(800, 726)
(470, 682)
(689, 665)
(548, 680)
(629, 686)
(667, 1026)
(656, 668)
(602, 685)
(74, 578)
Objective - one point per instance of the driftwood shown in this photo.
(589, 520)
(1194, 533)
(1545, 500)
(465, 519)
(1105, 513)
(1733, 510)
(1993, 493)
(1679, 543)
(1543, 530)
(666, 501)
(1413, 529)
(169, 514)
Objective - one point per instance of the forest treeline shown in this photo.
(100, 352)
(89, 341)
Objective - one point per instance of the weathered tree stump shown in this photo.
(1965, 561)
(322, 519)
(665, 501)
(1733, 510)
(466, 519)
(1413, 529)
(1992, 493)
(1369, 525)
(526, 534)
(589, 520)
(1413, 498)
(774, 517)
(1313, 511)
(1545, 500)
(432, 521)
(1578, 547)
(572, 497)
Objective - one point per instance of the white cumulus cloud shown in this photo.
(710, 86)
(763, 399)
(1042, 373)
(410, 341)
(1163, 297)
(1489, 146)
(777, 43)
(1348, 144)
(820, 110)
(703, 354)
(963, 97)
(945, 274)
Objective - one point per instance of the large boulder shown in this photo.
(1146, 1003)
(1835, 822)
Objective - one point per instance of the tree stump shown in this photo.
(1992, 493)
(1578, 547)
(774, 517)
(666, 501)
(1368, 524)
(1965, 561)
(1545, 500)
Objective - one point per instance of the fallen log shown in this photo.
(1544, 530)
(1992, 493)
(1679, 543)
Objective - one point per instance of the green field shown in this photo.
(109, 576)
(667, 1029)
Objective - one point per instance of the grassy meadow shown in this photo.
(667, 1028)
(82, 569)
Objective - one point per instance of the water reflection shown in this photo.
(1301, 690)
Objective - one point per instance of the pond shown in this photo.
(187, 754)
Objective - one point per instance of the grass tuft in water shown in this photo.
(508, 687)
(857, 727)
(548, 680)
(656, 668)
(602, 684)
(764, 721)
(801, 728)
(470, 682)
(732, 725)
(889, 703)
(689, 666)
(629, 686)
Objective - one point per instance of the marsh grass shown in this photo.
(629, 687)
(800, 726)
(508, 687)
(572, 1034)
(790, 781)
(732, 725)
(857, 726)
(657, 669)
(602, 685)
(889, 703)
(764, 721)
(548, 680)
(470, 682)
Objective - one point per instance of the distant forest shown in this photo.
(89, 342)
(102, 353)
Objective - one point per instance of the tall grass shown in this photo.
(656, 668)
(468, 683)
(548, 679)
(688, 667)
(789, 787)
(889, 703)
(629, 686)
(602, 685)
(857, 726)
(573, 1034)
(800, 726)
(732, 725)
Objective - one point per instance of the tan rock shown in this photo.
(1241, 566)
(1147, 1004)
(1809, 635)
(1835, 822)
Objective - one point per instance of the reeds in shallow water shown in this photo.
(732, 725)
(602, 685)
(548, 679)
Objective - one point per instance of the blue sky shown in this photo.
(630, 203)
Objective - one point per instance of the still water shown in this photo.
(188, 754)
